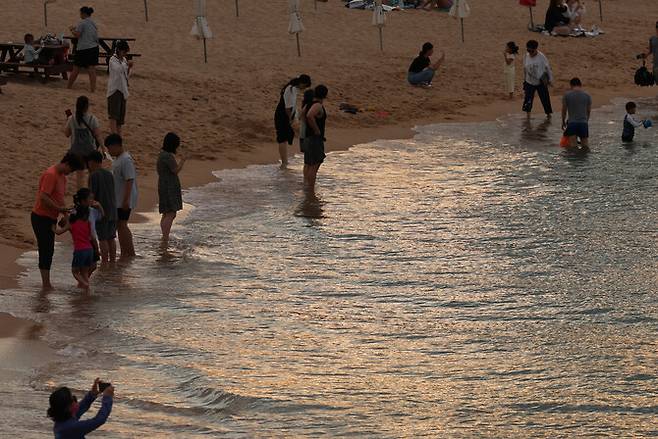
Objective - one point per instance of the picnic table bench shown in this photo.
(108, 44)
(10, 61)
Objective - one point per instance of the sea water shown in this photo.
(475, 281)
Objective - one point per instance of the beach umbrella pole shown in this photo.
(462, 20)
(601, 9)
(532, 20)
(45, 13)
(299, 49)
(315, 3)
(205, 51)
(381, 39)
(146, 10)
(237, 8)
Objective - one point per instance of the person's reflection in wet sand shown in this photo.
(530, 133)
(42, 303)
(311, 206)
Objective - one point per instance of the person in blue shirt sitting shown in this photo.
(66, 412)
(30, 54)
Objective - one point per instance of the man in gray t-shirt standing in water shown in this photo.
(653, 51)
(578, 106)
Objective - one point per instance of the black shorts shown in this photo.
(314, 151)
(87, 57)
(116, 107)
(123, 214)
(284, 131)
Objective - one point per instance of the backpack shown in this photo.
(83, 139)
(643, 77)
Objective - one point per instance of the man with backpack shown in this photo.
(653, 51)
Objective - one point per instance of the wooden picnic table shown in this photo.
(10, 61)
(108, 44)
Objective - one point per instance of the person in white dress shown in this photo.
(511, 50)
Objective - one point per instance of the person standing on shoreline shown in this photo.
(577, 104)
(86, 51)
(538, 76)
(169, 187)
(47, 208)
(511, 50)
(101, 184)
(117, 87)
(316, 119)
(125, 187)
(285, 114)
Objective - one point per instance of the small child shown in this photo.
(630, 123)
(30, 54)
(82, 225)
(511, 50)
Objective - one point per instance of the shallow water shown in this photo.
(473, 281)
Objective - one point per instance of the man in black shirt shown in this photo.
(421, 70)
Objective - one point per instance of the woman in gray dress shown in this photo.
(169, 188)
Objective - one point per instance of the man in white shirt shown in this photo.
(117, 87)
(538, 76)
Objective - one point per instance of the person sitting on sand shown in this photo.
(30, 54)
(576, 13)
(47, 208)
(285, 114)
(439, 4)
(557, 20)
(421, 70)
(86, 52)
(66, 412)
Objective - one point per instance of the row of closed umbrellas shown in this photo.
(201, 29)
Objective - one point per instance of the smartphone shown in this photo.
(68, 113)
(102, 386)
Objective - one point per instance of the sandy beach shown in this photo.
(223, 110)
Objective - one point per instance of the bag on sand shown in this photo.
(643, 77)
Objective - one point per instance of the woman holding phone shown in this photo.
(66, 412)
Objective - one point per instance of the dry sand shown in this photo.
(223, 110)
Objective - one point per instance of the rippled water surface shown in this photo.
(473, 281)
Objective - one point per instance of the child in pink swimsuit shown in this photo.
(85, 246)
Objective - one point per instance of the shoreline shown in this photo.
(198, 173)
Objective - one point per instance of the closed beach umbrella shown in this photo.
(530, 4)
(45, 11)
(379, 20)
(461, 10)
(296, 26)
(201, 30)
(601, 9)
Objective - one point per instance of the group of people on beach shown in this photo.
(312, 118)
(107, 190)
(537, 80)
